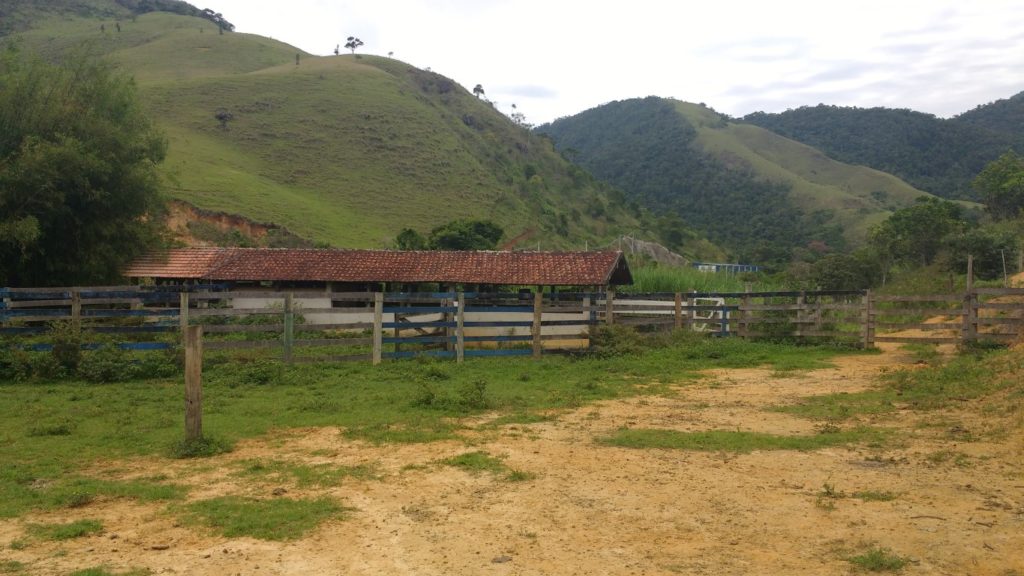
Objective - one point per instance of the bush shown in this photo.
(15, 364)
(47, 367)
(109, 363)
(67, 343)
(616, 340)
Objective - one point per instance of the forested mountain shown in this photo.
(343, 150)
(936, 155)
(1004, 116)
(759, 195)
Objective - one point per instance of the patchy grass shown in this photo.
(738, 442)
(11, 567)
(200, 448)
(379, 404)
(21, 490)
(274, 519)
(875, 496)
(76, 529)
(479, 462)
(965, 377)
(303, 475)
(879, 560)
(476, 463)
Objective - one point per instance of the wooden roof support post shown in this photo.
(193, 383)
(378, 327)
(460, 332)
(538, 316)
(609, 305)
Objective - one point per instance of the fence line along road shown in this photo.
(318, 326)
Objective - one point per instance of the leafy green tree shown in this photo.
(466, 235)
(915, 234)
(478, 90)
(991, 246)
(79, 191)
(1001, 186)
(409, 239)
(353, 43)
(856, 271)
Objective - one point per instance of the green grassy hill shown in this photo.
(746, 187)
(341, 150)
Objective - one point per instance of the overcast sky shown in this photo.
(556, 58)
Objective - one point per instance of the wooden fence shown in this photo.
(318, 326)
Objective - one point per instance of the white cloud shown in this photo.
(559, 58)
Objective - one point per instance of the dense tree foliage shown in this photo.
(915, 234)
(455, 235)
(1001, 186)
(932, 154)
(644, 147)
(1005, 116)
(78, 182)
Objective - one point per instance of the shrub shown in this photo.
(15, 364)
(46, 366)
(67, 343)
(109, 363)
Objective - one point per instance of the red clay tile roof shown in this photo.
(319, 265)
(182, 263)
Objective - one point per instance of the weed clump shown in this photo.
(201, 448)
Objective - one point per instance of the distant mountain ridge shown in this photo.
(934, 154)
(758, 194)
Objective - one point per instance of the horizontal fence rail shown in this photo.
(325, 326)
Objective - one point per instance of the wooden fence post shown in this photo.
(289, 327)
(800, 316)
(868, 321)
(689, 303)
(744, 313)
(970, 323)
(76, 309)
(679, 311)
(378, 327)
(460, 331)
(538, 316)
(609, 306)
(193, 383)
(183, 312)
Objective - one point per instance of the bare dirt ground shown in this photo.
(957, 478)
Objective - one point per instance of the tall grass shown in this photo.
(647, 279)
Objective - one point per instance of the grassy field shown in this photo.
(344, 150)
(52, 430)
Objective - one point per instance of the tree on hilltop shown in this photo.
(478, 90)
(353, 43)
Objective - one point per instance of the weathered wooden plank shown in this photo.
(232, 328)
(16, 304)
(883, 312)
(333, 341)
(200, 312)
(912, 339)
(927, 298)
(326, 359)
(241, 344)
(1001, 305)
(918, 326)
